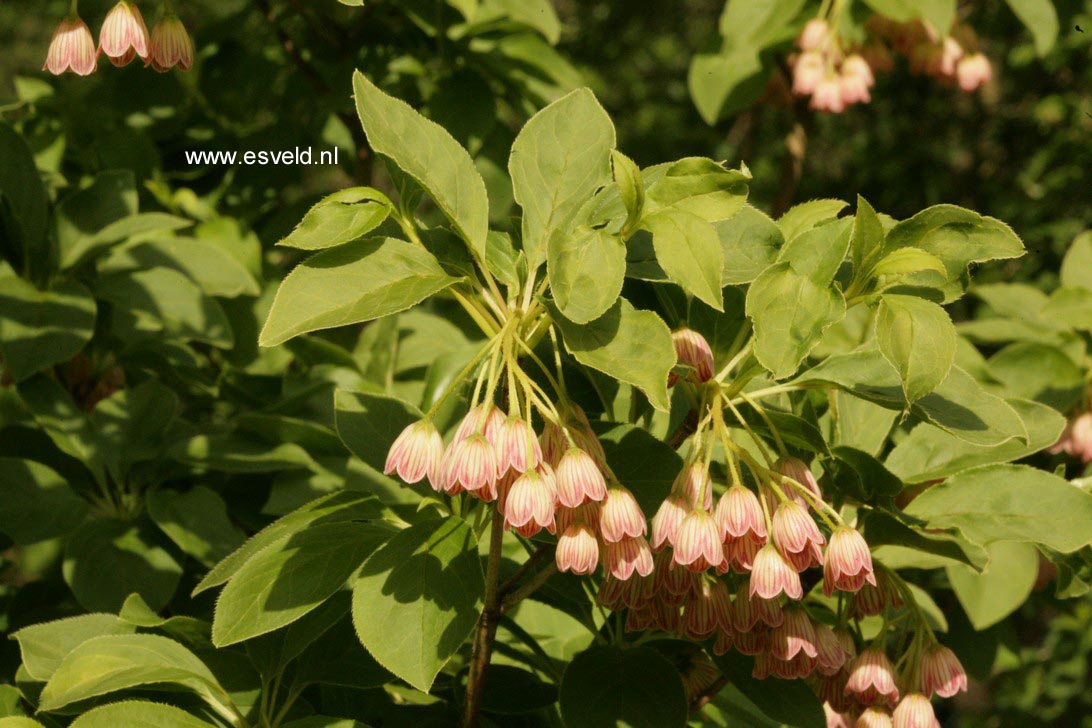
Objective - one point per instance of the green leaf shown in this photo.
(1077, 263)
(426, 152)
(67, 425)
(350, 284)
(513, 691)
(237, 453)
(21, 185)
(917, 547)
(337, 658)
(138, 714)
(631, 189)
(864, 477)
(861, 424)
(643, 463)
(632, 346)
(108, 664)
(751, 242)
(819, 251)
(790, 312)
(1001, 588)
(587, 268)
(163, 298)
(908, 260)
(959, 405)
(197, 521)
(207, 263)
(721, 83)
(1009, 503)
(37, 504)
(80, 217)
(369, 423)
(789, 702)
(132, 423)
(919, 340)
(688, 249)
(44, 646)
(19, 721)
(339, 218)
(1041, 19)
(866, 240)
(333, 508)
(608, 686)
(41, 328)
(141, 224)
(957, 237)
(803, 217)
(418, 598)
(1040, 372)
(290, 577)
(107, 559)
(559, 159)
(930, 453)
(701, 187)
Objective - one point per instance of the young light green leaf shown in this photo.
(701, 187)
(559, 159)
(908, 260)
(751, 242)
(688, 249)
(803, 217)
(430, 155)
(340, 218)
(790, 313)
(627, 177)
(350, 284)
(1040, 372)
(866, 240)
(632, 346)
(37, 504)
(1077, 263)
(957, 237)
(292, 576)
(818, 252)
(197, 521)
(919, 340)
(41, 328)
(587, 268)
(1041, 19)
(138, 714)
(636, 686)
(418, 598)
(333, 508)
(43, 646)
(104, 665)
(1009, 503)
(722, 82)
(1001, 588)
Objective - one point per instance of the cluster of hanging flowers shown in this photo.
(836, 77)
(123, 38)
(728, 553)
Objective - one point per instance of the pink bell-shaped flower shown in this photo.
(416, 453)
(124, 36)
(72, 48)
(579, 479)
(171, 46)
(848, 562)
(577, 549)
(942, 673)
(620, 516)
(772, 575)
(872, 679)
(915, 711)
(697, 543)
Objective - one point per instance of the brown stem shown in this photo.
(516, 578)
(686, 428)
(528, 588)
(703, 698)
(487, 625)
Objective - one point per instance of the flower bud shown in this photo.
(124, 36)
(697, 544)
(814, 35)
(798, 470)
(950, 54)
(915, 711)
(484, 419)
(749, 612)
(579, 479)
(693, 350)
(700, 615)
(796, 535)
(872, 679)
(71, 49)
(772, 575)
(873, 600)
(531, 501)
(170, 46)
(942, 673)
(831, 657)
(577, 550)
(752, 643)
(848, 562)
(416, 453)
(973, 71)
(874, 717)
(620, 516)
(622, 558)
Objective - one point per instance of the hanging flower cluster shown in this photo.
(122, 38)
(836, 77)
(727, 556)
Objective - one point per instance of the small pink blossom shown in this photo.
(831, 656)
(577, 550)
(772, 575)
(620, 516)
(71, 49)
(973, 71)
(814, 35)
(516, 446)
(915, 711)
(171, 46)
(836, 719)
(942, 673)
(828, 95)
(124, 36)
(874, 717)
(872, 679)
(808, 70)
(624, 557)
(468, 464)
(950, 54)
(531, 501)
(697, 543)
(665, 524)
(848, 562)
(416, 453)
(795, 635)
(739, 515)
(796, 535)
(579, 480)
